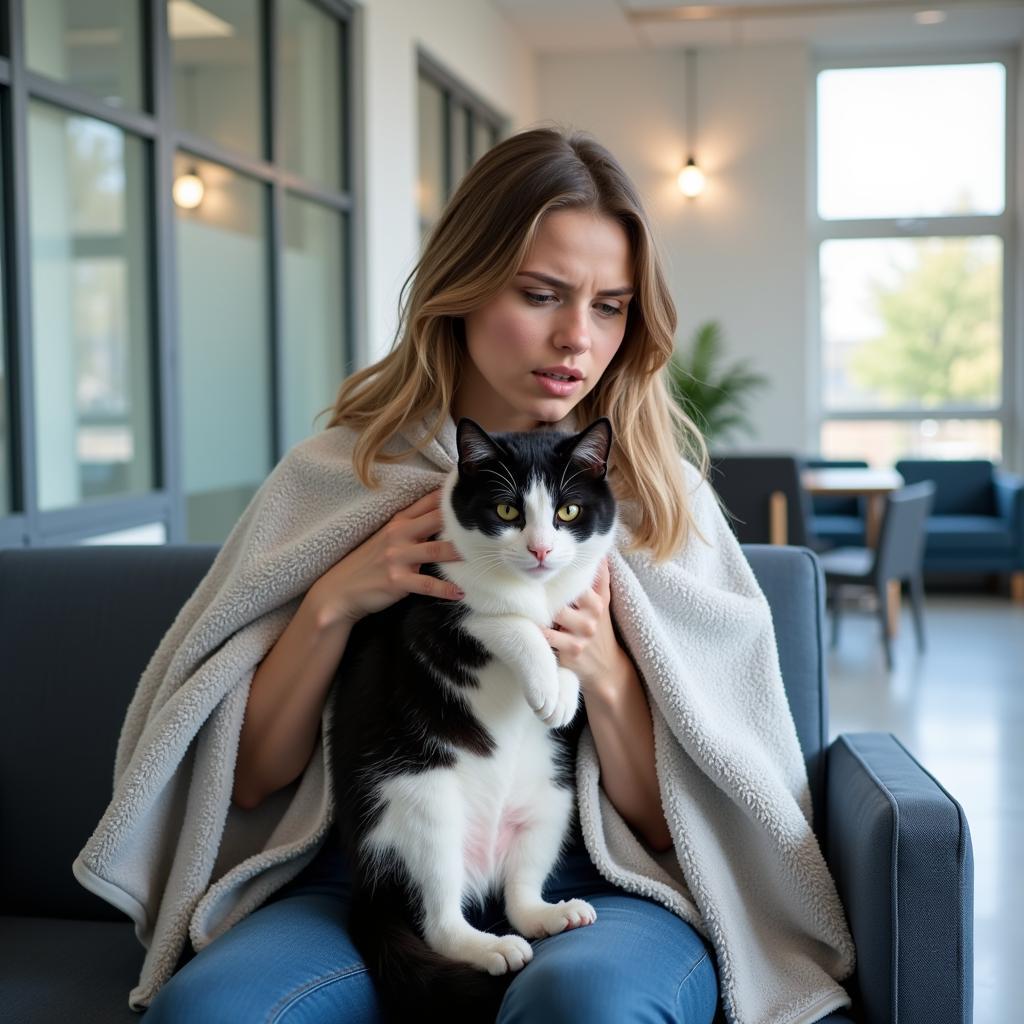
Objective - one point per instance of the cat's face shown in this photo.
(534, 502)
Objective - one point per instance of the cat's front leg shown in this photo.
(551, 691)
(568, 698)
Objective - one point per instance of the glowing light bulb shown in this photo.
(188, 190)
(691, 179)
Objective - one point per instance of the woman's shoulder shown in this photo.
(330, 443)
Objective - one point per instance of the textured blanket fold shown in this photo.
(746, 870)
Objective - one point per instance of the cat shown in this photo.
(452, 761)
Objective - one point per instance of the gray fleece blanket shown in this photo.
(175, 854)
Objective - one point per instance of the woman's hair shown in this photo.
(471, 254)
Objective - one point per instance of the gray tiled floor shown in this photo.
(959, 708)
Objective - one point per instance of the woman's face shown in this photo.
(565, 307)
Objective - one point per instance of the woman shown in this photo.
(543, 258)
(475, 338)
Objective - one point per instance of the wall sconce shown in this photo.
(188, 190)
(691, 177)
(691, 180)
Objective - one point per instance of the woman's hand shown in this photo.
(585, 638)
(385, 567)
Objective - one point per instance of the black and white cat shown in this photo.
(453, 772)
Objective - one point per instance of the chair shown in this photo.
(977, 521)
(78, 625)
(766, 501)
(837, 521)
(899, 556)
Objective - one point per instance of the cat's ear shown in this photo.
(475, 446)
(591, 447)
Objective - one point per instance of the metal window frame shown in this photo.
(27, 524)
(1004, 226)
(458, 98)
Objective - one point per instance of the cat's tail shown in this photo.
(414, 982)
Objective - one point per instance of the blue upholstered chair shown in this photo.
(78, 625)
(837, 521)
(977, 521)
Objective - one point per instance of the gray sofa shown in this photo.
(77, 626)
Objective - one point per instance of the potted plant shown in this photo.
(712, 395)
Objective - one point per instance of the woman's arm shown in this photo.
(286, 700)
(620, 721)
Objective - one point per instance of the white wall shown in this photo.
(473, 41)
(737, 254)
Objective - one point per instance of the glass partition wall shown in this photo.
(176, 222)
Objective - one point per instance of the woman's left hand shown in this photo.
(585, 641)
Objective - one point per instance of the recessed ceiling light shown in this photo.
(929, 17)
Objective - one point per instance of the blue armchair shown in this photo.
(77, 626)
(977, 522)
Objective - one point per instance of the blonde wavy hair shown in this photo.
(471, 255)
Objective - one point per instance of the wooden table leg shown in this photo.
(778, 518)
(873, 519)
(895, 596)
(872, 529)
(1017, 587)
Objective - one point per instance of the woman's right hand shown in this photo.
(385, 567)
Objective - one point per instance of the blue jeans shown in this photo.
(292, 961)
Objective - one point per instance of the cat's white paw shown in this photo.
(566, 702)
(497, 954)
(551, 918)
(542, 690)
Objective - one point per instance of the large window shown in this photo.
(913, 260)
(455, 129)
(175, 304)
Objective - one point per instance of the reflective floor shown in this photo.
(959, 708)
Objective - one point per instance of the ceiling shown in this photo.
(826, 25)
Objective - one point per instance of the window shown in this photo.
(455, 130)
(912, 260)
(90, 309)
(175, 304)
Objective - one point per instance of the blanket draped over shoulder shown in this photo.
(183, 862)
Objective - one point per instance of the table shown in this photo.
(874, 485)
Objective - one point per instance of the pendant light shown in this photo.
(691, 177)
(188, 189)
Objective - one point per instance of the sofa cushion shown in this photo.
(963, 487)
(845, 530)
(58, 970)
(969, 532)
(108, 607)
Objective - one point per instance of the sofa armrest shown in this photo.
(900, 851)
(1009, 495)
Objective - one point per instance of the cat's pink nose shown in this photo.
(540, 553)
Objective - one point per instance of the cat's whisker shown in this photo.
(489, 563)
(511, 478)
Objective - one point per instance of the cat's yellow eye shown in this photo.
(567, 513)
(508, 512)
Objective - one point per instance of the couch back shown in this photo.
(963, 487)
(745, 484)
(78, 626)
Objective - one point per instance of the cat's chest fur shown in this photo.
(502, 790)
